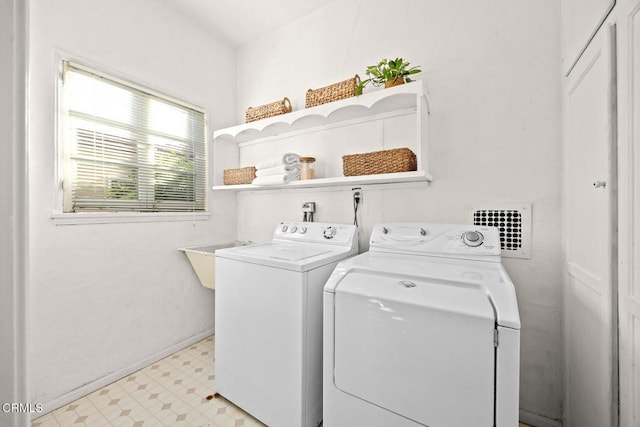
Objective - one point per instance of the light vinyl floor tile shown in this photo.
(175, 391)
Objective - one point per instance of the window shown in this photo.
(129, 149)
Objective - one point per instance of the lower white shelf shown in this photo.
(385, 178)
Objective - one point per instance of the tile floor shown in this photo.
(170, 392)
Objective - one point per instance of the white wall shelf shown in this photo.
(378, 120)
(383, 178)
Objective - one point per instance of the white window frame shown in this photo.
(58, 216)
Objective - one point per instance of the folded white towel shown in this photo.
(285, 159)
(280, 179)
(278, 170)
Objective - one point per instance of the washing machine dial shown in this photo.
(329, 232)
(285, 227)
(472, 238)
(302, 230)
(293, 229)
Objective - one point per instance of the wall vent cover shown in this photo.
(514, 224)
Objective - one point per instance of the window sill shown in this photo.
(128, 217)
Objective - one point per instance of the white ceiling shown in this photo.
(242, 21)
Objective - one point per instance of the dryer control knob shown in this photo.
(293, 229)
(472, 238)
(285, 227)
(302, 230)
(329, 232)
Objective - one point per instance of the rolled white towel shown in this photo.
(280, 179)
(285, 159)
(278, 170)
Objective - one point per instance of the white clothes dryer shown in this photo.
(268, 321)
(422, 330)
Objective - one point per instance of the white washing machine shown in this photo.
(268, 321)
(422, 330)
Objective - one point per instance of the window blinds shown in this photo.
(129, 149)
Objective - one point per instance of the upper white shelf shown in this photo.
(363, 107)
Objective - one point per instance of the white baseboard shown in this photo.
(89, 388)
(537, 420)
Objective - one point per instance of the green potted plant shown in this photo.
(388, 72)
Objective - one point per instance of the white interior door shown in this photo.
(629, 194)
(581, 19)
(589, 194)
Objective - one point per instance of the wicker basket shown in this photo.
(268, 110)
(334, 92)
(239, 176)
(385, 161)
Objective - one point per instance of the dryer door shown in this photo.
(421, 348)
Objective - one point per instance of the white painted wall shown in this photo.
(107, 297)
(13, 205)
(492, 71)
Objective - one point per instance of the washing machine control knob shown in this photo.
(302, 230)
(329, 232)
(293, 229)
(472, 238)
(285, 227)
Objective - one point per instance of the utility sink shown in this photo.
(203, 261)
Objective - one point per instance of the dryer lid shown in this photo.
(466, 299)
(420, 348)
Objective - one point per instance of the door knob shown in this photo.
(598, 184)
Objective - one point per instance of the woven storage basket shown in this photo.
(334, 92)
(385, 161)
(268, 110)
(239, 176)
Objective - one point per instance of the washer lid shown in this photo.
(423, 349)
(283, 252)
(295, 257)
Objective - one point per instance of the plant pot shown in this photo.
(397, 81)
